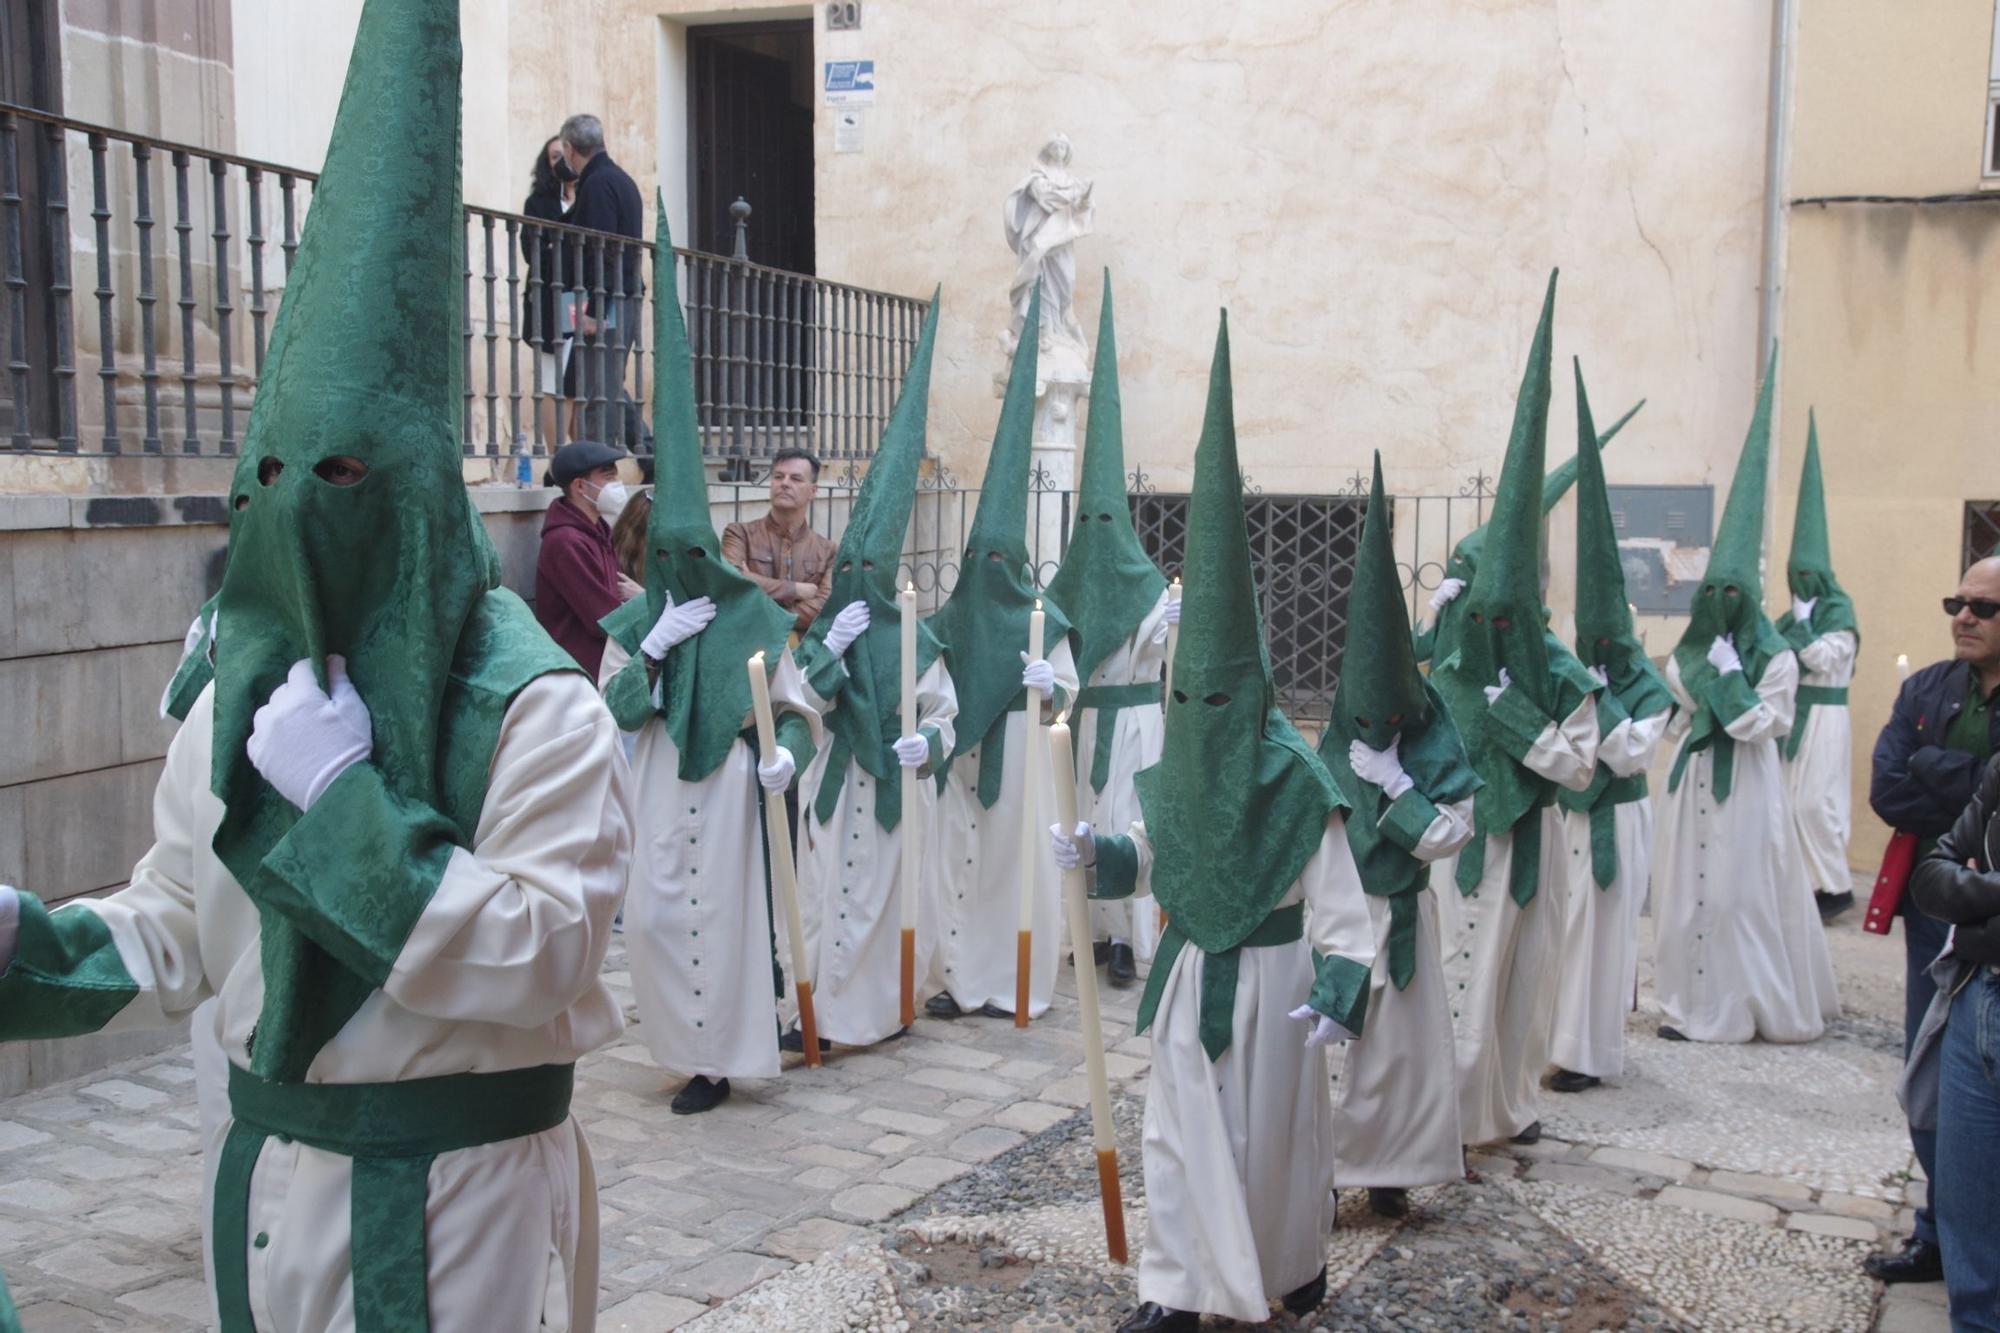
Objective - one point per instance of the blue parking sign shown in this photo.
(850, 83)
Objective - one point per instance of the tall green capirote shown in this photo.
(1809, 573)
(1382, 698)
(984, 623)
(1730, 602)
(1605, 638)
(353, 535)
(1238, 803)
(703, 693)
(868, 680)
(1107, 584)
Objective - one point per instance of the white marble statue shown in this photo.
(1043, 218)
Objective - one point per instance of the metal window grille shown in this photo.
(1982, 531)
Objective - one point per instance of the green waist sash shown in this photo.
(1109, 700)
(1810, 697)
(1286, 925)
(392, 1131)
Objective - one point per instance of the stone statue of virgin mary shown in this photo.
(1043, 218)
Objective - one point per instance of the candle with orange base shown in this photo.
(912, 818)
(1031, 773)
(784, 873)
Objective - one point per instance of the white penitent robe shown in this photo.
(500, 973)
(1138, 732)
(1395, 1098)
(1742, 953)
(850, 883)
(1501, 959)
(1239, 1151)
(979, 871)
(1817, 776)
(1600, 944)
(698, 913)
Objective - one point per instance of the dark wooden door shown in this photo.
(751, 137)
(30, 75)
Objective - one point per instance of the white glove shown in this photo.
(1603, 674)
(1447, 593)
(1722, 655)
(1173, 611)
(1493, 692)
(1325, 1031)
(1802, 609)
(847, 627)
(912, 751)
(777, 774)
(1038, 675)
(677, 624)
(1381, 767)
(304, 737)
(1073, 849)
(10, 922)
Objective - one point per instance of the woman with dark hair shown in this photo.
(551, 192)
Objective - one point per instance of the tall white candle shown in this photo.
(911, 823)
(1033, 763)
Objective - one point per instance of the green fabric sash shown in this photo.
(1642, 696)
(1809, 698)
(1109, 701)
(392, 1131)
(1523, 872)
(1285, 925)
(66, 978)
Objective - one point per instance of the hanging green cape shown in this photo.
(869, 679)
(1107, 584)
(704, 691)
(197, 667)
(394, 572)
(983, 625)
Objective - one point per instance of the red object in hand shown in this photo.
(1890, 882)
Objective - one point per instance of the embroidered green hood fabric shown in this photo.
(197, 666)
(704, 689)
(1809, 570)
(1238, 802)
(394, 572)
(1107, 584)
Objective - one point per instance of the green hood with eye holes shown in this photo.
(1809, 571)
(704, 688)
(394, 572)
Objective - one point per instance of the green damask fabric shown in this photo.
(704, 690)
(197, 667)
(66, 978)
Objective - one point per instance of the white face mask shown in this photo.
(611, 500)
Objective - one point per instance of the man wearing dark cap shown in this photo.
(577, 579)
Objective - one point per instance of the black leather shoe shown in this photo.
(992, 1010)
(1568, 1080)
(1099, 951)
(1307, 1298)
(1123, 969)
(941, 1005)
(1390, 1203)
(1918, 1261)
(701, 1094)
(1832, 905)
(1151, 1318)
(1669, 1033)
(1532, 1134)
(794, 1040)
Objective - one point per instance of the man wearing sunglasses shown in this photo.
(1945, 725)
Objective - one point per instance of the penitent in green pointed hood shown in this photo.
(704, 692)
(1238, 803)
(1107, 584)
(1809, 570)
(352, 534)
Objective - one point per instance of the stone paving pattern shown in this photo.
(944, 1181)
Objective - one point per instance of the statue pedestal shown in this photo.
(1052, 480)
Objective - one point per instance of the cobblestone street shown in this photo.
(945, 1181)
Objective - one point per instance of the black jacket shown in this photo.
(1964, 895)
(540, 323)
(1918, 786)
(607, 200)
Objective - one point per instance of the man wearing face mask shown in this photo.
(1742, 954)
(577, 579)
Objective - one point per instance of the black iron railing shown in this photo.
(556, 339)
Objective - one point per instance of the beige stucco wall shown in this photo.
(1887, 332)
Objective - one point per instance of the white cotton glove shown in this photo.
(776, 774)
(848, 626)
(10, 923)
(1493, 692)
(1381, 767)
(1603, 674)
(1038, 675)
(677, 624)
(1324, 1031)
(912, 751)
(304, 737)
(1075, 848)
(1817, 655)
(1447, 593)
(1173, 611)
(1722, 655)
(1802, 609)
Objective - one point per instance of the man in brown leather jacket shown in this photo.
(780, 552)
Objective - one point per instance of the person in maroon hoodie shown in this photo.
(577, 580)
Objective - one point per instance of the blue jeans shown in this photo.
(1968, 1155)
(1923, 941)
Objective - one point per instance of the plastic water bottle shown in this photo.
(524, 463)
